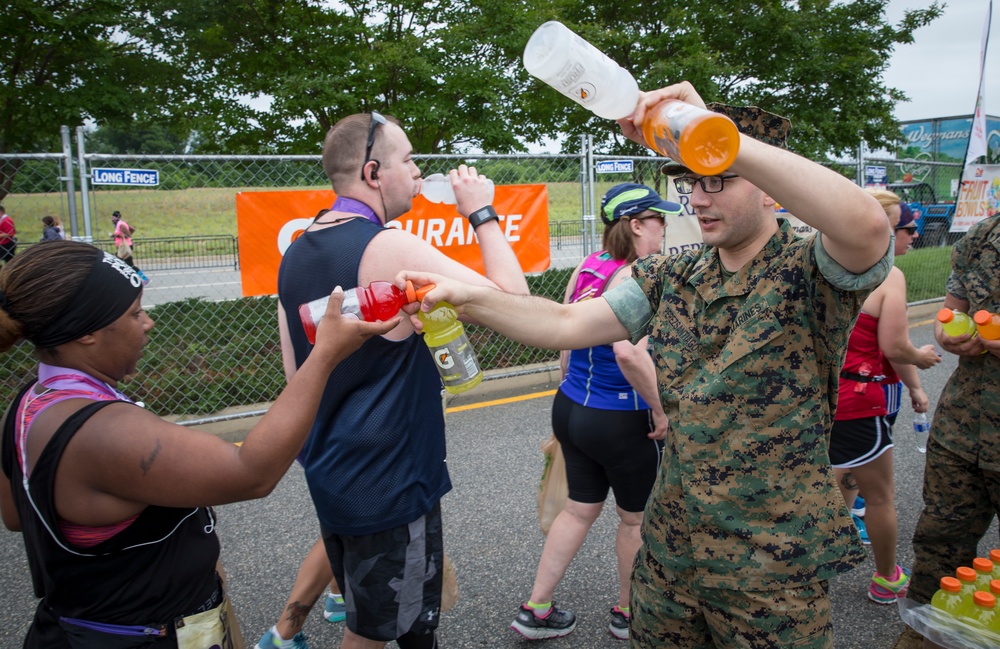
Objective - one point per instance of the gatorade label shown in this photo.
(456, 362)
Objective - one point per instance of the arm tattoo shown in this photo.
(147, 463)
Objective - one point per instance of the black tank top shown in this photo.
(160, 567)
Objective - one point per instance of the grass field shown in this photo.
(157, 213)
(926, 271)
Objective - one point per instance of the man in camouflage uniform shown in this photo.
(962, 472)
(745, 523)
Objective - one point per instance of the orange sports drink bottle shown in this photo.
(988, 324)
(703, 141)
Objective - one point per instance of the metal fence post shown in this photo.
(860, 164)
(88, 233)
(68, 179)
(589, 216)
(585, 207)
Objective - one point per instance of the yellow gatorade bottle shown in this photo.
(995, 558)
(949, 598)
(984, 573)
(967, 578)
(984, 613)
(453, 355)
(956, 323)
(995, 591)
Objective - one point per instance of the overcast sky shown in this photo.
(939, 71)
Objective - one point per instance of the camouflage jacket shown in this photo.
(967, 418)
(748, 373)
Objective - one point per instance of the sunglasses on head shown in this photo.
(376, 120)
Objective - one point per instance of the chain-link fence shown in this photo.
(213, 349)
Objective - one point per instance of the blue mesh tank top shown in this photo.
(375, 458)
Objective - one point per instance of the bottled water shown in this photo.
(921, 430)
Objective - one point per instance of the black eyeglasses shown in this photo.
(376, 120)
(909, 229)
(709, 184)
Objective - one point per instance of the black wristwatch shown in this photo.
(483, 215)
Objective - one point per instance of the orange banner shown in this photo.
(268, 222)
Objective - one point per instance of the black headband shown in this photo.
(106, 293)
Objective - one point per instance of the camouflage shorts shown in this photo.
(960, 501)
(678, 613)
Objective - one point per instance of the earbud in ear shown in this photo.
(375, 169)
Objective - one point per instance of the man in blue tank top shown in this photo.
(375, 459)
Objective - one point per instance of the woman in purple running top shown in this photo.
(607, 417)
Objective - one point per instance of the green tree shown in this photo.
(155, 138)
(446, 69)
(66, 61)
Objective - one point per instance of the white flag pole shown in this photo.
(977, 136)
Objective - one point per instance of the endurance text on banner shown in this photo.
(268, 222)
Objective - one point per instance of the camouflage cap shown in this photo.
(756, 122)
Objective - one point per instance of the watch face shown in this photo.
(483, 215)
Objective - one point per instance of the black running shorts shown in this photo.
(391, 580)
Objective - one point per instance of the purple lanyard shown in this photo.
(351, 206)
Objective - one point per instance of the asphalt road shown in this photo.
(492, 536)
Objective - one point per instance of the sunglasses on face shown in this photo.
(376, 120)
(909, 229)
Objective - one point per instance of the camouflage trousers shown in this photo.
(674, 611)
(960, 501)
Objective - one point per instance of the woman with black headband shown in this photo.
(114, 502)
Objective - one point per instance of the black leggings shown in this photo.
(606, 449)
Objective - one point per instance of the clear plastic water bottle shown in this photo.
(437, 189)
(921, 430)
(580, 71)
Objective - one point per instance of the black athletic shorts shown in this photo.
(856, 442)
(606, 449)
(391, 580)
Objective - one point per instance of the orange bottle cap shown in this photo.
(986, 600)
(953, 585)
(983, 317)
(417, 295)
(994, 586)
(965, 574)
(945, 316)
(424, 290)
(982, 565)
(995, 556)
